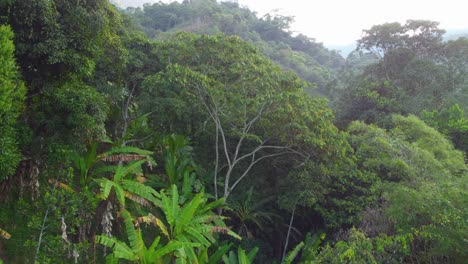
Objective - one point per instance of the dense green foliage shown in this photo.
(12, 92)
(271, 34)
(160, 146)
(416, 71)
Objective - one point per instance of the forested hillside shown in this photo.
(271, 34)
(186, 133)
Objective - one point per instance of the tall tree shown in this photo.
(251, 105)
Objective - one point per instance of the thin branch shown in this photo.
(252, 163)
(246, 129)
(216, 164)
(223, 137)
(289, 232)
(261, 147)
(43, 227)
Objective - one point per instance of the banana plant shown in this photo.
(241, 257)
(189, 221)
(179, 164)
(87, 163)
(136, 251)
(215, 257)
(127, 188)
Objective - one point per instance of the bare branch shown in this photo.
(260, 147)
(216, 164)
(246, 129)
(252, 163)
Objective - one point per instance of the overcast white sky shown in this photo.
(340, 22)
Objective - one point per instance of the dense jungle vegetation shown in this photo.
(198, 132)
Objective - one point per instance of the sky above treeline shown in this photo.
(340, 22)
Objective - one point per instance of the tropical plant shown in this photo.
(136, 251)
(241, 257)
(189, 221)
(127, 188)
(179, 165)
(87, 164)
